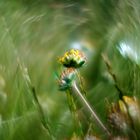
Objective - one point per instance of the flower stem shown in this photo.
(85, 102)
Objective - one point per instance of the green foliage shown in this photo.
(33, 34)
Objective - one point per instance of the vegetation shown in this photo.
(104, 104)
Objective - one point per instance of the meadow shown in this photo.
(35, 34)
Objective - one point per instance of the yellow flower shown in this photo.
(73, 58)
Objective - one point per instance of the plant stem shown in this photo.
(73, 110)
(108, 65)
(85, 102)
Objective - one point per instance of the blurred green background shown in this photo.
(33, 34)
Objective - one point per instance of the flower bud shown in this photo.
(66, 79)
